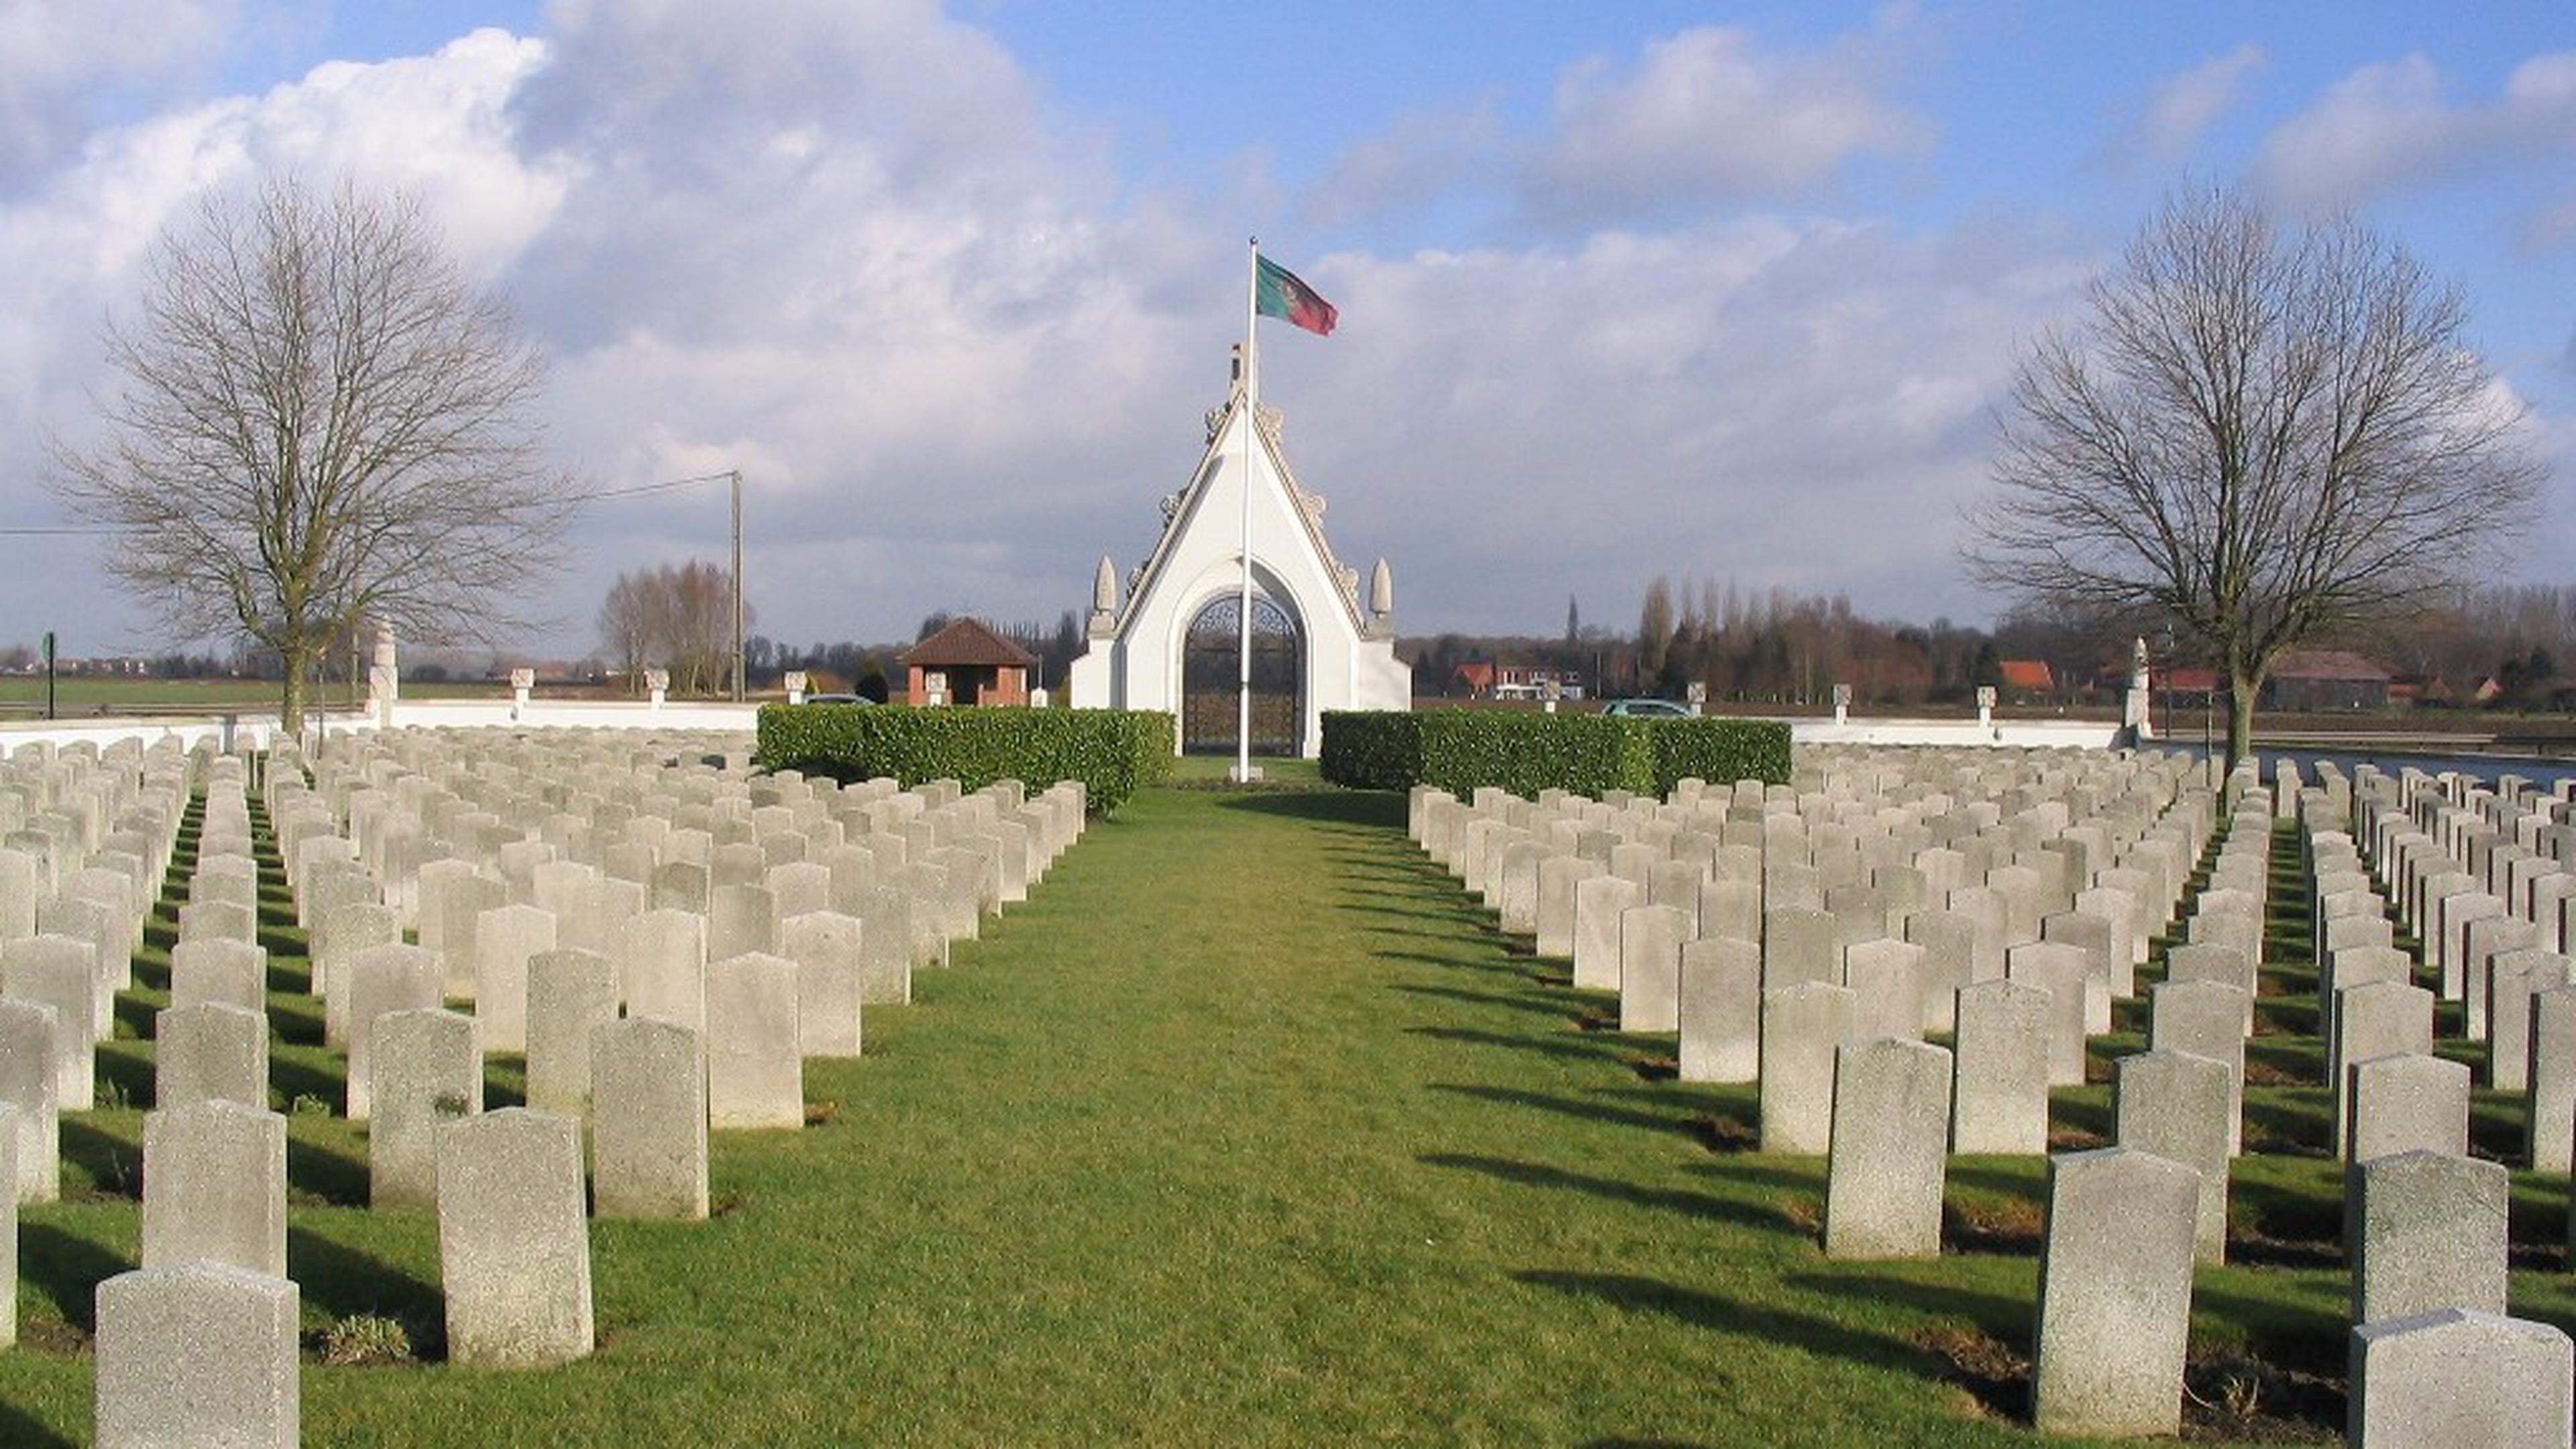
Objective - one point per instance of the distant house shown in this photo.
(1523, 681)
(2027, 678)
(968, 663)
(1483, 679)
(2326, 679)
(2185, 687)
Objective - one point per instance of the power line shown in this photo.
(595, 495)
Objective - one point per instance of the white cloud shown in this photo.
(1710, 112)
(63, 61)
(2389, 125)
(2183, 106)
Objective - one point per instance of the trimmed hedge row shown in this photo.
(1111, 751)
(1463, 750)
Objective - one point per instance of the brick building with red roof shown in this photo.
(968, 663)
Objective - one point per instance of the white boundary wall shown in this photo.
(253, 731)
(2007, 734)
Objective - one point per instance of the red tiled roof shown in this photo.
(967, 643)
(2328, 664)
(2027, 674)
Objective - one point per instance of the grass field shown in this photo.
(1248, 1129)
(83, 696)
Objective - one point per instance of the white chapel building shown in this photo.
(1170, 643)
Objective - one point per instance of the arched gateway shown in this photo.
(1211, 668)
(1171, 643)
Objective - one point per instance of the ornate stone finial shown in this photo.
(1104, 599)
(1381, 590)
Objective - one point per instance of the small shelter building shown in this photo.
(968, 663)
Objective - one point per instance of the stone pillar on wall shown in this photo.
(384, 679)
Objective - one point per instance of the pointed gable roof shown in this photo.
(1202, 478)
(967, 644)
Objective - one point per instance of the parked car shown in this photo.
(1646, 709)
(838, 699)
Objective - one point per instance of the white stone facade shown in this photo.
(1346, 650)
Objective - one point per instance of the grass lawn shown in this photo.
(1247, 1128)
(81, 696)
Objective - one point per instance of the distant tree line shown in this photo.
(2507, 646)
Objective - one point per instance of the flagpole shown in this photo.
(1251, 440)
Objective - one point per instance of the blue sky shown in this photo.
(1626, 288)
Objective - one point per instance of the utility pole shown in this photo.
(736, 475)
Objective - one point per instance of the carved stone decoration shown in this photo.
(1215, 420)
(1382, 590)
(1104, 599)
(1267, 418)
(1171, 506)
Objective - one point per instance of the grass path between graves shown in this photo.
(1248, 1129)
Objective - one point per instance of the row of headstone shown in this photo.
(634, 1033)
(1836, 1049)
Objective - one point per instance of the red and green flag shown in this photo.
(1279, 292)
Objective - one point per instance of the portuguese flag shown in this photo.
(1279, 293)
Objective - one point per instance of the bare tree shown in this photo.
(319, 421)
(677, 616)
(2265, 436)
(627, 626)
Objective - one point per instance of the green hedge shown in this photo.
(1111, 751)
(1463, 750)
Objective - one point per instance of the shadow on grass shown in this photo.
(1531, 1174)
(293, 1077)
(67, 1270)
(17, 1428)
(342, 1281)
(320, 1172)
(1581, 1049)
(132, 1073)
(1568, 1106)
(1340, 807)
(1538, 1005)
(1766, 1322)
(2008, 1317)
(113, 1165)
(296, 1025)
